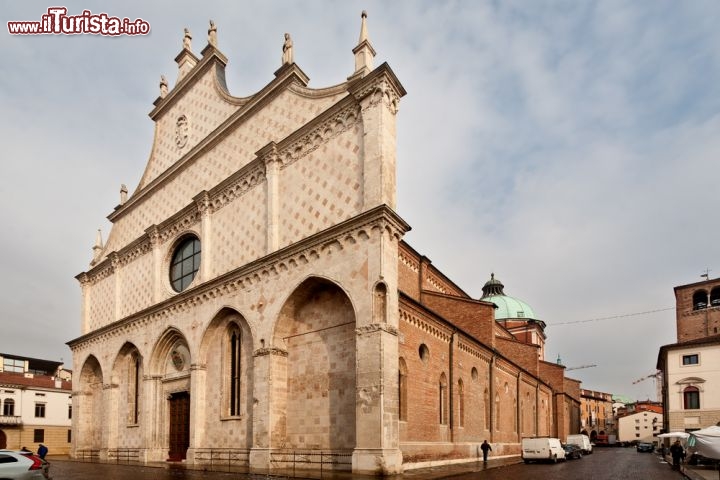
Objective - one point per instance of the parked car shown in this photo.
(23, 466)
(572, 451)
(581, 441)
(645, 447)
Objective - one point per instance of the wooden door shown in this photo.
(3, 440)
(179, 426)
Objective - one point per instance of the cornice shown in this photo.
(380, 220)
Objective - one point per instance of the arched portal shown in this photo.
(316, 327)
(170, 365)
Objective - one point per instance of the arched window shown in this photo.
(715, 297)
(443, 390)
(234, 342)
(486, 400)
(134, 376)
(700, 300)
(9, 407)
(461, 404)
(691, 398)
(402, 390)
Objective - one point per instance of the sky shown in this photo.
(570, 147)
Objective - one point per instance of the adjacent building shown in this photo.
(255, 298)
(640, 426)
(690, 377)
(596, 416)
(36, 402)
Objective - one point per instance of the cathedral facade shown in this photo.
(254, 298)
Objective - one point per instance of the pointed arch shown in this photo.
(443, 399)
(90, 406)
(315, 330)
(402, 389)
(226, 349)
(170, 353)
(127, 374)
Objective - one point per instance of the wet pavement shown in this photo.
(609, 463)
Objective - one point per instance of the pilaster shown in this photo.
(198, 386)
(206, 262)
(154, 234)
(379, 95)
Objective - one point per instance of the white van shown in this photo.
(542, 449)
(581, 441)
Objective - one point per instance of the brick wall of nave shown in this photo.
(476, 409)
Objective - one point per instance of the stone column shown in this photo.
(270, 407)
(154, 235)
(198, 405)
(272, 193)
(203, 204)
(84, 280)
(112, 415)
(152, 413)
(117, 288)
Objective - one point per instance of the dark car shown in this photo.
(572, 452)
(645, 447)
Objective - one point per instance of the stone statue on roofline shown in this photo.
(287, 56)
(212, 34)
(163, 86)
(187, 39)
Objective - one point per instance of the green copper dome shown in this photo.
(507, 306)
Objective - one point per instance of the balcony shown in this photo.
(10, 421)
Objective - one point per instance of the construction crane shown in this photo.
(642, 379)
(581, 366)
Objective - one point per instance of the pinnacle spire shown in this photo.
(364, 52)
(363, 28)
(98, 247)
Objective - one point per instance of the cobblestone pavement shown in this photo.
(604, 464)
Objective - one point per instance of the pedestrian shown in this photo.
(25, 449)
(678, 453)
(42, 451)
(485, 447)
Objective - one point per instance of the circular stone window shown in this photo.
(185, 263)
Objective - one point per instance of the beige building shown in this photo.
(639, 426)
(254, 299)
(690, 377)
(36, 403)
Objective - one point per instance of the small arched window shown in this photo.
(715, 297)
(443, 391)
(700, 299)
(691, 398)
(235, 368)
(461, 404)
(402, 390)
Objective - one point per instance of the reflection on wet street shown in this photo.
(70, 470)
